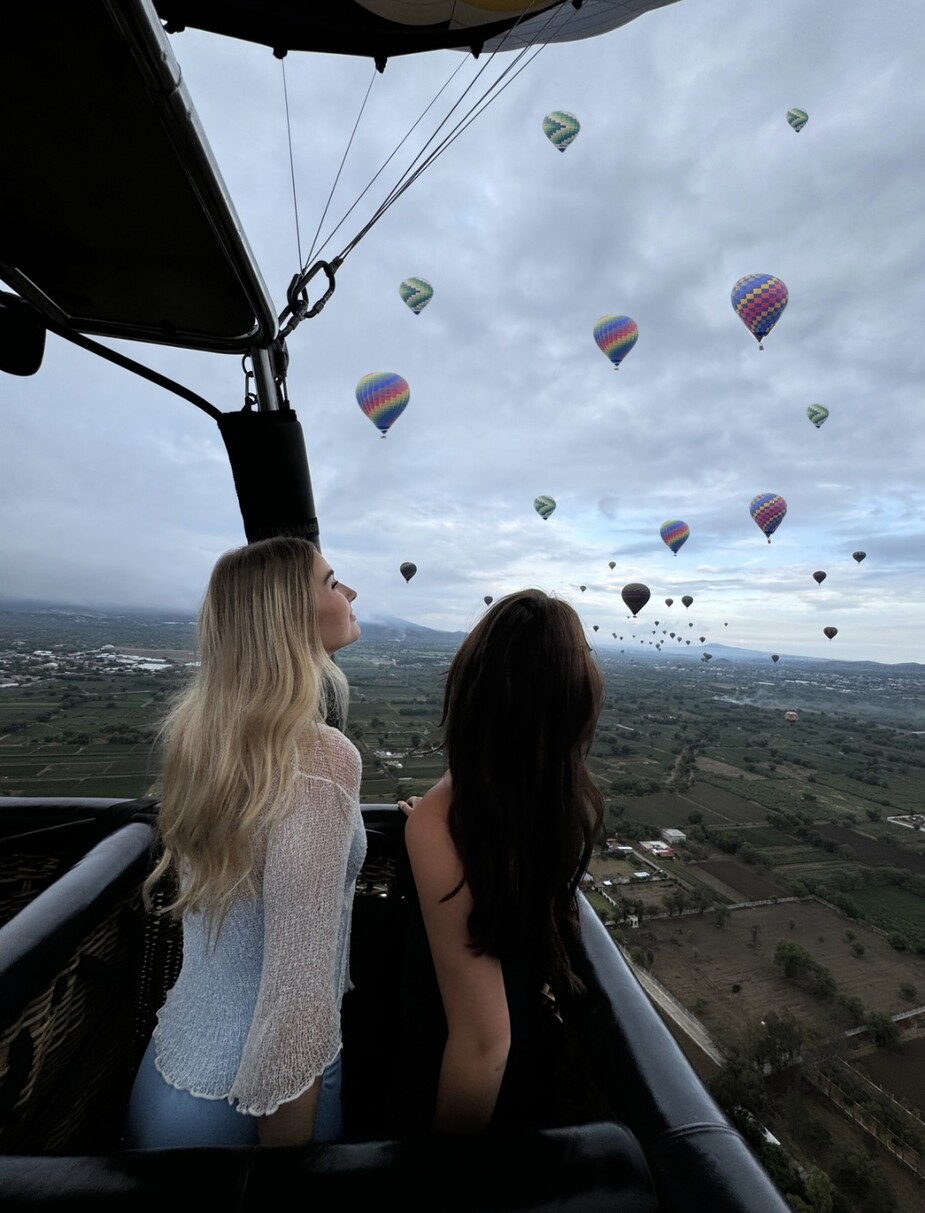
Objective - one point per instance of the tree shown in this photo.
(721, 915)
(778, 1043)
(882, 1030)
(740, 1091)
(820, 1191)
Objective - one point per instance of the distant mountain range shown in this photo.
(390, 629)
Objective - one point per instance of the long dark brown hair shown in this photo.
(521, 703)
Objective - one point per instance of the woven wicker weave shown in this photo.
(69, 1055)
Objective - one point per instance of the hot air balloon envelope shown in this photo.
(830, 632)
(674, 533)
(859, 556)
(616, 336)
(407, 570)
(544, 506)
(417, 293)
(635, 595)
(687, 600)
(768, 510)
(791, 716)
(488, 600)
(797, 119)
(775, 657)
(387, 28)
(669, 601)
(582, 588)
(560, 128)
(819, 576)
(759, 301)
(817, 413)
(383, 396)
(611, 564)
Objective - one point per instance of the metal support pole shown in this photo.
(265, 386)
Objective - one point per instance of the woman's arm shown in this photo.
(296, 1031)
(472, 987)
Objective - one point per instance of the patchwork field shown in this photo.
(893, 909)
(701, 963)
(872, 851)
(742, 879)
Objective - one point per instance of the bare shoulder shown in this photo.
(427, 834)
(432, 811)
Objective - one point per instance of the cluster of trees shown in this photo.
(127, 734)
(678, 899)
(762, 1080)
(900, 1120)
(804, 970)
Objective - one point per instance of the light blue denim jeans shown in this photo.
(161, 1116)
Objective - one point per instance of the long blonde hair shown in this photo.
(263, 687)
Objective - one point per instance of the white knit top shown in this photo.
(254, 1016)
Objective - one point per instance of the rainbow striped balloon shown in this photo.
(768, 510)
(383, 396)
(560, 128)
(675, 533)
(616, 336)
(759, 300)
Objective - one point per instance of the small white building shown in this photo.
(655, 846)
(673, 837)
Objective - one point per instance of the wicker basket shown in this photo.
(80, 1005)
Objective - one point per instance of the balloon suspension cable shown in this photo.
(340, 169)
(295, 197)
(297, 299)
(297, 307)
(491, 93)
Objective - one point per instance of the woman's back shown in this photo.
(230, 1027)
(498, 848)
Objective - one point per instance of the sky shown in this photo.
(685, 176)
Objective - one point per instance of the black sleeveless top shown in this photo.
(547, 1082)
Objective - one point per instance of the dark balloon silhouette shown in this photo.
(635, 595)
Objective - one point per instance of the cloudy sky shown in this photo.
(685, 176)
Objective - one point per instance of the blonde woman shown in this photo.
(260, 821)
